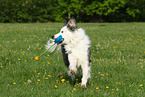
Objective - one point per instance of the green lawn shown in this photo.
(118, 61)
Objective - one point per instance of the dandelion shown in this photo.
(55, 86)
(49, 75)
(48, 62)
(107, 87)
(19, 59)
(38, 80)
(63, 80)
(67, 81)
(61, 76)
(48, 55)
(92, 73)
(39, 73)
(97, 88)
(1, 66)
(46, 78)
(42, 93)
(14, 83)
(74, 88)
(141, 85)
(129, 85)
(138, 90)
(117, 89)
(107, 74)
(96, 59)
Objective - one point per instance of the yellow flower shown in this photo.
(129, 85)
(107, 87)
(48, 55)
(141, 85)
(117, 89)
(1, 66)
(63, 80)
(92, 73)
(49, 75)
(38, 80)
(14, 83)
(46, 78)
(19, 59)
(55, 86)
(39, 73)
(97, 88)
(138, 90)
(48, 62)
(67, 81)
(74, 88)
(42, 93)
(61, 76)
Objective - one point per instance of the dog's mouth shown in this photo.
(61, 41)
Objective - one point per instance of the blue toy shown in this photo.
(59, 39)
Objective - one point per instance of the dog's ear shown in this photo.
(65, 22)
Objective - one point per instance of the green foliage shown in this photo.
(82, 10)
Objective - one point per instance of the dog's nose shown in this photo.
(52, 37)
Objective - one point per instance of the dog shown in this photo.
(75, 49)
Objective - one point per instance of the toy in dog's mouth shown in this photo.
(59, 39)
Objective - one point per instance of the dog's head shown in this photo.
(71, 25)
(69, 28)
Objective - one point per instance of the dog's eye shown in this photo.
(61, 31)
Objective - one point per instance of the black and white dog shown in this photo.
(75, 49)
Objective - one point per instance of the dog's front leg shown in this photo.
(72, 66)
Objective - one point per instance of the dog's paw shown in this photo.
(83, 86)
(72, 72)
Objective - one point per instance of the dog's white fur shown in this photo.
(76, 44)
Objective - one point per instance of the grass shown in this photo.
(118, 61)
